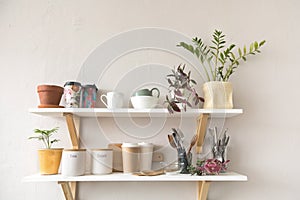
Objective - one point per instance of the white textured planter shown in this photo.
(217, 95)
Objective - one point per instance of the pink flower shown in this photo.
(214, 166)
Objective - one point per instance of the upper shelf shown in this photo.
(228, 176)
(130, 112)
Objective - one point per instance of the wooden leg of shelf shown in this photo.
(201, 130)
(67, 190)
(203, 187)
(73, 186)
(72, 130)
(73, 126)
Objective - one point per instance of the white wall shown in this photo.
(48, 41)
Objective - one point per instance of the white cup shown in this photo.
(102, 161)
(113, 100)
(73, 162)
(146, 152)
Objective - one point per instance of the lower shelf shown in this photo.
(119, 177)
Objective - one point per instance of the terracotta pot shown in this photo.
(49, 160)
(50, 95)
(217, 95)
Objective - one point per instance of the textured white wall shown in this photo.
(48, 41)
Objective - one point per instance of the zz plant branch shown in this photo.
(218, 61)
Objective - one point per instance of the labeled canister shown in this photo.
(73, 162)
(89, 96)
(102, 162)
(72, 93)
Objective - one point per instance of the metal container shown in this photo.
(72, 91)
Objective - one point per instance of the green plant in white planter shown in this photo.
(49, 157)
(219, 63)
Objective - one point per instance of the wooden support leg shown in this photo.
(73, 126)
(201, 130)
(73, 186)
(67, 190)
(72, 130)
(203, 187)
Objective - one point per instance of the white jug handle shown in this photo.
(101, 97)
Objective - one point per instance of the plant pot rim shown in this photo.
(223, 82)
(52, 149)
(49, 85)
(46, 87)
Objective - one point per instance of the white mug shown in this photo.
(102, 161)
(73, 162)
(113, 100)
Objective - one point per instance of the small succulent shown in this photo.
(181, 90)
(44, 136)
(208, 167)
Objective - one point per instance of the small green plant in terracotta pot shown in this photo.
(49, 157)
(219, 63)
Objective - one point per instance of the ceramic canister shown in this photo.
(146, 152)
(102, 161)
(89, 96)
(72, 92)
(130, 155)
(73, 162)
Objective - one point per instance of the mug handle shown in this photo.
(102, 99)
(155, 89)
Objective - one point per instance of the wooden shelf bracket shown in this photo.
(69, 188)
(201, 130)
(203, 187)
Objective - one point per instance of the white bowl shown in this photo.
(141, 102)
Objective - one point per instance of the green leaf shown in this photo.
(222, 56)
(244, 58)
(251, 47)
(255, 45)
(231, 47)
(233, 56)
(240, 52)
(245, 50)
(262, 43)
(197, 52)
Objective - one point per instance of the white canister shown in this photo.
(146, 152)
(102, 161)
(73, 162)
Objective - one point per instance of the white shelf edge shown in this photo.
(120, 177)
(130, 112)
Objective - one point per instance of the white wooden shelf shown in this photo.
(120, 177)
(130, 112)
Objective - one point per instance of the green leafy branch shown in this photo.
(220, 64)
(44, 136)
